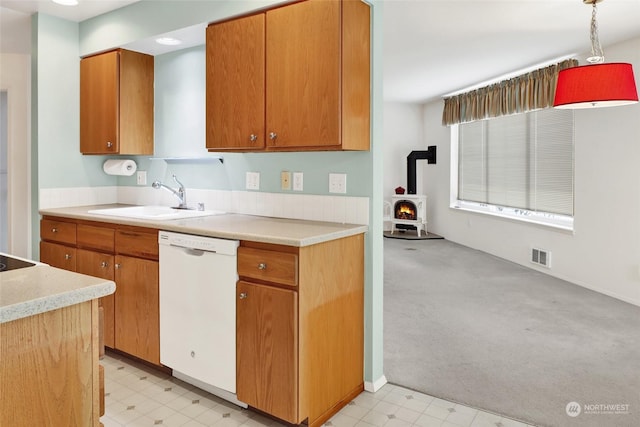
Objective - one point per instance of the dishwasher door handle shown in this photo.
(191, 251)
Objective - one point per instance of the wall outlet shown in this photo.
(297, 181)
(141, 178)
(285, 180)
(253, 181)
(338, 183)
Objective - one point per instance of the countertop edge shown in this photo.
(193, 226)
(53, 302)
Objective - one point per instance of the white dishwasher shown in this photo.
(198, 311)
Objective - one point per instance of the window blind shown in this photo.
(520, 161)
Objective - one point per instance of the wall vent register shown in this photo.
(541, 257)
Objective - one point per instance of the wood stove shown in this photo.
(409, 211)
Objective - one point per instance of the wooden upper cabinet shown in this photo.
(235, 84)
(310, 92)
(116, 103)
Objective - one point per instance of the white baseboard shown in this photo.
(372, 387)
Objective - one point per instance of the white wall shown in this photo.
(603, 253)
(14, 79)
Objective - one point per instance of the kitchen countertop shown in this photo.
(280, 231)
(33, 290)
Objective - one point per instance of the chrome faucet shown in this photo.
(181, 193)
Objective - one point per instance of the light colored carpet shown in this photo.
(472, 328)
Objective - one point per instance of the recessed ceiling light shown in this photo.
(66, 2)
(168, 41)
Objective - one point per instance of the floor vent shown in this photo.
(541, 257)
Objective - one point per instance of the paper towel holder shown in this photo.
(120, 167)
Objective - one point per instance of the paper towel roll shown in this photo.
(119, 167)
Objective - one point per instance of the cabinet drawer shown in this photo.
(58, 231)
(137, 242)
(100, 238)
(59, 256)
(270, 266)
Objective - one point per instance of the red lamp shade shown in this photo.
(597, 85)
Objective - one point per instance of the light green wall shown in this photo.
(57, 100)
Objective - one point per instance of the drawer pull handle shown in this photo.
(243, 295)
(262, 266)
(67, 256)
(54, 230)
(117, 266)
(104, 264)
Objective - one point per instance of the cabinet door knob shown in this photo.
(109, 144)
(67, 256)
(54, 230)
(243, 295)
(104, 264)
(117, 266)
(262, 266)
(253, 137)
(273, 136)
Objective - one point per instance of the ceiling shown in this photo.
(437, 47)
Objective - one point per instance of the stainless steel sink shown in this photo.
(157, 213)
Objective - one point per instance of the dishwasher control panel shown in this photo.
(203, 243)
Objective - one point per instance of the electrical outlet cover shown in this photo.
(297, 181)
(253, 180)
(285, 180)
(338, 183)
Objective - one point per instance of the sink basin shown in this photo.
(158, 213)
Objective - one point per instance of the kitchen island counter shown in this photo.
(38, 289)
(280, 231)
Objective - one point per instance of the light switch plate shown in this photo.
(338, 183)
(253, 180)
(297, 181)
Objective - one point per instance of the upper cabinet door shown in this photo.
(116, 103)
(303, 75)
(236, 84)
(99, 86)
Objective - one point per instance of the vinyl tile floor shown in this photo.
(137, 396)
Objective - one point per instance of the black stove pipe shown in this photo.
(429, 155)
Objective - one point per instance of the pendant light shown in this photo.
(597, 84)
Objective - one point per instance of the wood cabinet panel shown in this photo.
(101, 265)
(53, 358)
(137, 242)
(270, 266)
(267, 342)
(116, 103)
(137, 302)
(58, 231)
(99, 95)
(236, 84)
(303, 74)
(96, 237)
(59, 256)
(136, 102)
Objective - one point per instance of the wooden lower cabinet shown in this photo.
(300, 328)
(137, 313)
(59, 256)
(125, 254)
(267, 343)
(100, 265)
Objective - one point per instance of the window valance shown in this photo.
(520, 94)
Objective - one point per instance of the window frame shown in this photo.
(546, 219)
